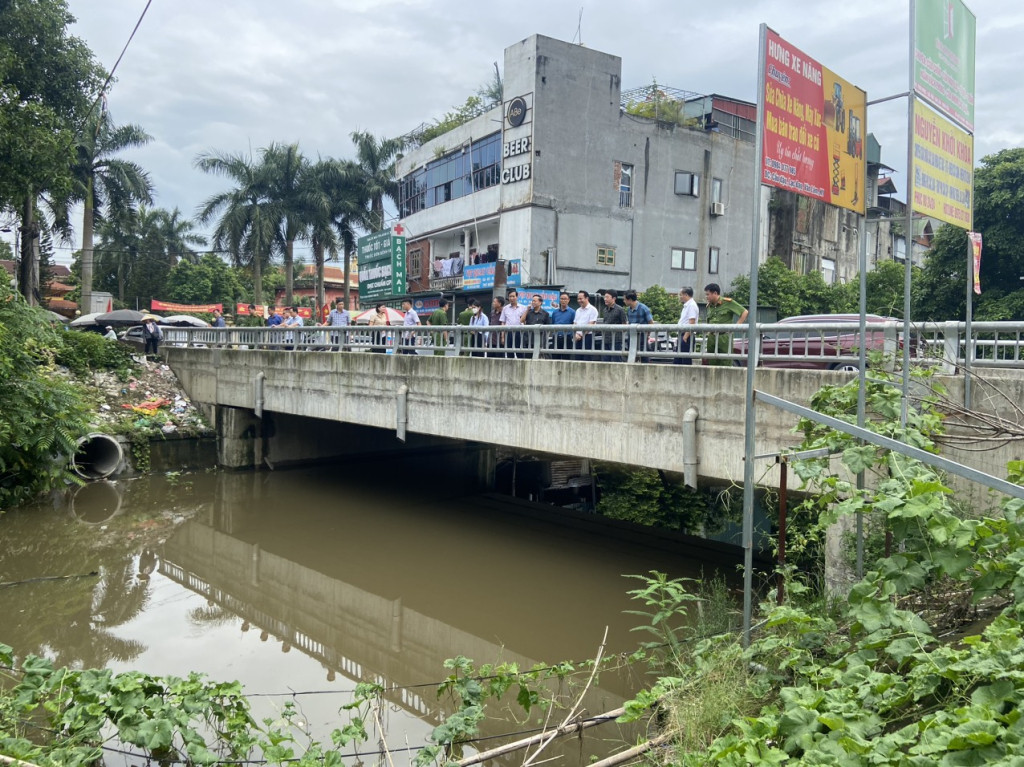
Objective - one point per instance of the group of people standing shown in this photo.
(509, 312)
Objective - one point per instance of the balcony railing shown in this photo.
(446, 283)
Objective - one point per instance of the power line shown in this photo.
(113, 69)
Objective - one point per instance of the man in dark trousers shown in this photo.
(613, 315)
(536, 315)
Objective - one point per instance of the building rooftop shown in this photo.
(655, 92)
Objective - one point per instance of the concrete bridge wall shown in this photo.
(623, 413)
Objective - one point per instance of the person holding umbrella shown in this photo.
(151, 334)
(110, 335)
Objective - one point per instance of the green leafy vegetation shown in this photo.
(82, 352)
(665, 307)
(655, 499)
(939, 287)
(867, 680)
(49, 81)
(487, 96)
(42, 415)
(658, 105)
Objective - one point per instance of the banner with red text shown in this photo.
(815, 128)
(167, 306)
(974, 240)
(243, 310)
(250, 310)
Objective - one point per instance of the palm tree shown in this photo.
(249, 216)
(334, 206)
(376, 158)
(318, 193)
(284, 166)
(132, 250)
(179, 235)
(105, 184)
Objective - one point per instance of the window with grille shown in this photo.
(414, 264)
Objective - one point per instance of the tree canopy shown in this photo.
(941, 293)
(48, 81)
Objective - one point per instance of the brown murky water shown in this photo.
(302, 583)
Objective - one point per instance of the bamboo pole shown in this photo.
(565, 729)
(632, 753)
(10, 760)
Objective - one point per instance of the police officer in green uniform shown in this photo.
(721, 311)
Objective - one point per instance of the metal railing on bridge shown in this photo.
(817, 345)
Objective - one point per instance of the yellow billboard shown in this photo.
(943, 166)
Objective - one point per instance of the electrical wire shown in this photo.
(113, 69)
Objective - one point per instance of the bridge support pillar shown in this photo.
(239, 438)
(487, 463)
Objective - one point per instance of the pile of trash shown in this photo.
(150, 401)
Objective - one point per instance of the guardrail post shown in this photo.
(890, 345)
(458, 341)
(632, 339)
(951, 347)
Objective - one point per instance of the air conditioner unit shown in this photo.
(718, 209)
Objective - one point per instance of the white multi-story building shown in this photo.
(561, 185)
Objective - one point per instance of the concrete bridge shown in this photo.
(279, 406)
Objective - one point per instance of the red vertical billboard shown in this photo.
(815, 128)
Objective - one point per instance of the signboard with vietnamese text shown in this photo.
(943, 67)
(478, 276)
(548, 298)
(382, 265)
(482, 276)
(815, 128)
(943, 166)
(514, 272)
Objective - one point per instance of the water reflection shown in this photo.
(75, 574)
(313, 580)
(96, 502)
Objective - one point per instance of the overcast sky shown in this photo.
(235, 75)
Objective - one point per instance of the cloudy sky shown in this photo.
(235, 75)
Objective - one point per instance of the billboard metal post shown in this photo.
(750, 417)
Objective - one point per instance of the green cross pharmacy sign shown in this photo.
(381, 265)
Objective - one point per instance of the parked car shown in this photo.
(811, 349)
(133, 338)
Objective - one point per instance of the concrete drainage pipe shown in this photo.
(98, 456)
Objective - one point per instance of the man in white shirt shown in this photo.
(411, 318)
(586, 314)
(291, 320)
(511, 316)
(687, 317)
